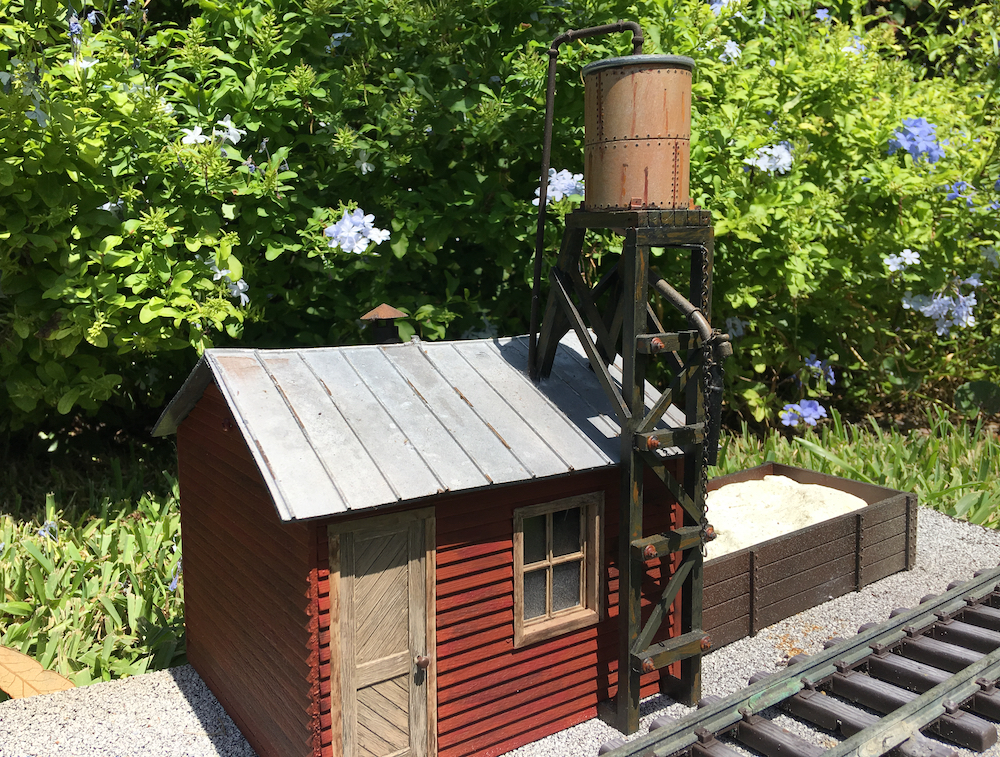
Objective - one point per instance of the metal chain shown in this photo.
(707, 365)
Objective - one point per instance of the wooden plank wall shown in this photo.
(491, 697)
(250, 586)
(758, 586)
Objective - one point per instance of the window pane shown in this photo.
(566, 585)
(534, 593)
(534, 539)
(566, 531)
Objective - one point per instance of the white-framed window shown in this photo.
(557, 559)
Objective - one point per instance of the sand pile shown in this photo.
(751, 512)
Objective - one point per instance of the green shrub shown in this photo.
(135, 230)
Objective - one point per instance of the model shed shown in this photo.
(404, 549)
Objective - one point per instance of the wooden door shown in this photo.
(386, 635)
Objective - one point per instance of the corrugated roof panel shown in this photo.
(572, 388)
(557, 425)
(519, 437)
(347, 462)
(424, 430)
(349, 428)
(399, 461)
(477, 439)
(276, 438)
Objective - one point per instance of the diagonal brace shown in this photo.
(685, 500)
(661, 608)
(617, 401)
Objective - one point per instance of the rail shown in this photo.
(933, 667)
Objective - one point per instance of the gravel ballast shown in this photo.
(173, 714)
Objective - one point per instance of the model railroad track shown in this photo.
(932, 669)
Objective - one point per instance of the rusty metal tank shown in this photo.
(638, 132)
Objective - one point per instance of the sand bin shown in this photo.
(751, 512)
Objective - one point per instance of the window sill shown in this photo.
(570, 620)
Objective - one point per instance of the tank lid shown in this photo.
(650, 61)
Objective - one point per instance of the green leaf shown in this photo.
(51, 192)
(21, 609)
(35, 552)
(112, 610)
(977, 397)
(229, 211)
(68, 399)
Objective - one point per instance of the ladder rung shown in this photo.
(653, 344)
(660, 545)
(682, 436)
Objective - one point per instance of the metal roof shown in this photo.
(336, 429)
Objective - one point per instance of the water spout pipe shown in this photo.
(550, 96)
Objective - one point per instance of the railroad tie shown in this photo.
(933, 668)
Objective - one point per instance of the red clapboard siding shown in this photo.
(491, 697)
(251, 630)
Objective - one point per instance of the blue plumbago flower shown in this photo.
(228, 132)
(812, 411)
(975, 280)
(362, 163)
(807, 411)
(996, 186)
(820, 368)
(3, 546)
(790, 414)
(855, 48)
(75, 29)
(92, 17)
(238, 290)
(894, 263)
(718, 5)
(919, 138)
(822, 14)
(773, 158)
(736, 327)
(47, 530)
(113, 207)
(561, 184)
(250, 165)
(175, 576)
(898, 262)
(354, 232)
(194, 136)
(731, 52)
(947, 310)
(336, 40)
(960, 190)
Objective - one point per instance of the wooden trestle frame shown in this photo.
(627, 325)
